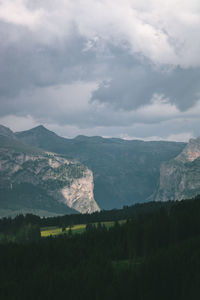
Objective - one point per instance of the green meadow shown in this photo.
(76, 229)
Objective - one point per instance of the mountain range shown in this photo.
(102, 173)
(124, 171)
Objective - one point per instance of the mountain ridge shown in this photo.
(7, 132)
(125, 172)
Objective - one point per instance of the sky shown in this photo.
(114, 68)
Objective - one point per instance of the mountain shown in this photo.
(38, 137)
(5, 131)
(180, 177)
(33, 180)
(125, 172)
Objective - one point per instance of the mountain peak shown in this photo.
(38, 130)
(5, 131)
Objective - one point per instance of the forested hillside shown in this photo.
(154, 255)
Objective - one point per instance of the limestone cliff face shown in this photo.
(80, 193)
(180, 177)
(191, 151)
(67, 182)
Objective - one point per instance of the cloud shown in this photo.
(180, 137)
(70, 104)
(101, 67)
(67, 110)
(16, 12)
(18, 123)
(133, 85)
(164, 33)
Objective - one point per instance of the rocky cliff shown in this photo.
(56, 182)
(125, 172)
(180, 177)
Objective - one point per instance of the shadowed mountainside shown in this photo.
(125, 172)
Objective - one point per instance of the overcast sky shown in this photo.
(120, 68)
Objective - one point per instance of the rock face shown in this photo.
(60, 183)
(191, 152)
(180, 177)
(125, 172)
(80, 193)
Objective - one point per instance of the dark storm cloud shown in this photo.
(126, 81)
(134, 85)
(26, 63)
(102, 65)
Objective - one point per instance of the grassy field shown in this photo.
(80, 228)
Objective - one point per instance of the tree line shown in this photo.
(155, 254)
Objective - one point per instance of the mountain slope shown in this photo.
(5, 131)
(180, 177)
(124, 172)
(32, 180)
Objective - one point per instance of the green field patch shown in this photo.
(48, 231)
(76, 229)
